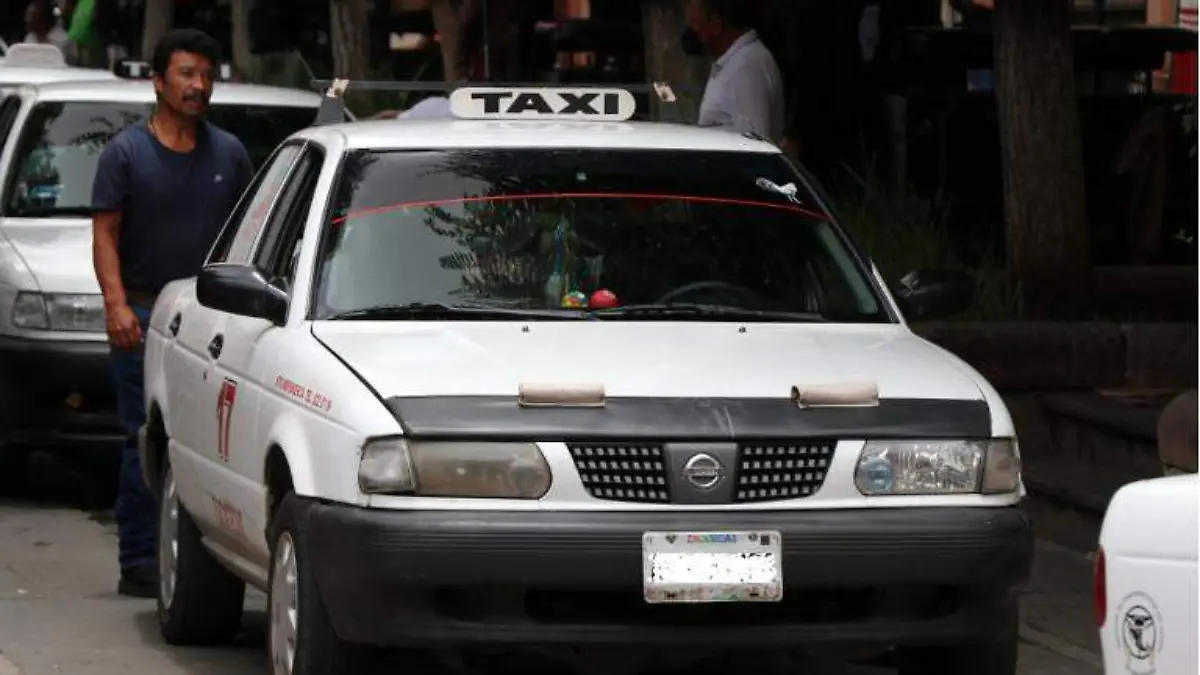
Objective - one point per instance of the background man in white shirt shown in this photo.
(745, 89)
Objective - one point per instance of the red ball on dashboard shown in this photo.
(603, 299)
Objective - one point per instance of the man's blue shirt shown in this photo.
(172, 204)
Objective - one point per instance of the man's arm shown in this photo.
(110, 194)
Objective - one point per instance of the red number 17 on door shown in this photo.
(225, 401)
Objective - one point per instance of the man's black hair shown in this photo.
(733, 13)
(183, 40)
(45, 11)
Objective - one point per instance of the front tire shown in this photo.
(199, 601)
(301, 637)
(997, 656)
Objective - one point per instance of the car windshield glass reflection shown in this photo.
(60, 145)
(667, 235)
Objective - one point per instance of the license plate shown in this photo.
(692, 567)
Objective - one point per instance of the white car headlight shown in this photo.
(453, 469)
(938, 467)
(54, 311)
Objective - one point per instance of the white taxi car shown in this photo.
(55, 386)
(542, 376)
(1147, 589)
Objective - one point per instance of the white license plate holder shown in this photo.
(707, 567)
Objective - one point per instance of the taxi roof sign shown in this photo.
(583, 104)
(34, 55)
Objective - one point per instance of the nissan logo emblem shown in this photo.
(703, 471)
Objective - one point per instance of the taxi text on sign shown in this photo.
(545, 103)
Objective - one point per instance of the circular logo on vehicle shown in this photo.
(703, 471)
(1139, 632)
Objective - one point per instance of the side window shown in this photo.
(241, 231)
(280, 242)
(8, 115)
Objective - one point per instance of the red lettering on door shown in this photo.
(225, 401)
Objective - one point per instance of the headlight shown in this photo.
(938, 467)
(53, 311)
(454, 469)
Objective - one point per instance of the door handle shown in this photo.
(173, 327)
(214, 346)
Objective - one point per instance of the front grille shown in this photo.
(771, 471)
(765, 471)
(622, 472)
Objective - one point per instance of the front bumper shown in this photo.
(36, 379)
(864, 577)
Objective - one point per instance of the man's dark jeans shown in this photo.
(136, 511)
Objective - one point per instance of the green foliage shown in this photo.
(903, 233)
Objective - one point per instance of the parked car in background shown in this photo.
(1146, 578)
(55, 388)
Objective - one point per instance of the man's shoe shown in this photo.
(139, 582)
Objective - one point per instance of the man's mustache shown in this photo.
(196, 97)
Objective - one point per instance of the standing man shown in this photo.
(745, 89)
(164, 187)
(43, 26)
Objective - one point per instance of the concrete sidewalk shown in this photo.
(1057, 611)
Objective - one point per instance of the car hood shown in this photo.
(56, 251)
(643, 359)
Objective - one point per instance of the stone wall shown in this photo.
(1027, 356)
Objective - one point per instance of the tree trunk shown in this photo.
(662, 24)
(349, 38)
(244, 61)
(445, 21)
(158, 18)
(1041, 152)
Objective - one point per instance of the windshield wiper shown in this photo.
(441, 311)
(54, 211)
(684, 311)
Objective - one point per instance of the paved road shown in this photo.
(59, 612)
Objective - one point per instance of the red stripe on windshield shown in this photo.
(358, 213)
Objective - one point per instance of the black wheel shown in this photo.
(300, 636)
(997, 656)
(14, 472)
(199, 601)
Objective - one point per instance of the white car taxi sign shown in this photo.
(542, 103)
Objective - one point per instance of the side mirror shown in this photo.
(931, 294)
(241, 290)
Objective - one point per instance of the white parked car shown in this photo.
(55, 386)
(1147, 586)
(541, 375)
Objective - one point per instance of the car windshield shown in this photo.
(60, 145)
(546, 229)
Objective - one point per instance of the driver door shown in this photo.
(203, 406)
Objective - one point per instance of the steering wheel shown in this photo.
(751, 298)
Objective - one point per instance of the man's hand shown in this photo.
(124, 330)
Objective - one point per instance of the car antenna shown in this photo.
(333, 107)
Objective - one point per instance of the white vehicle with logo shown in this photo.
(543, 376)
(1147, 589)
(56, 390)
